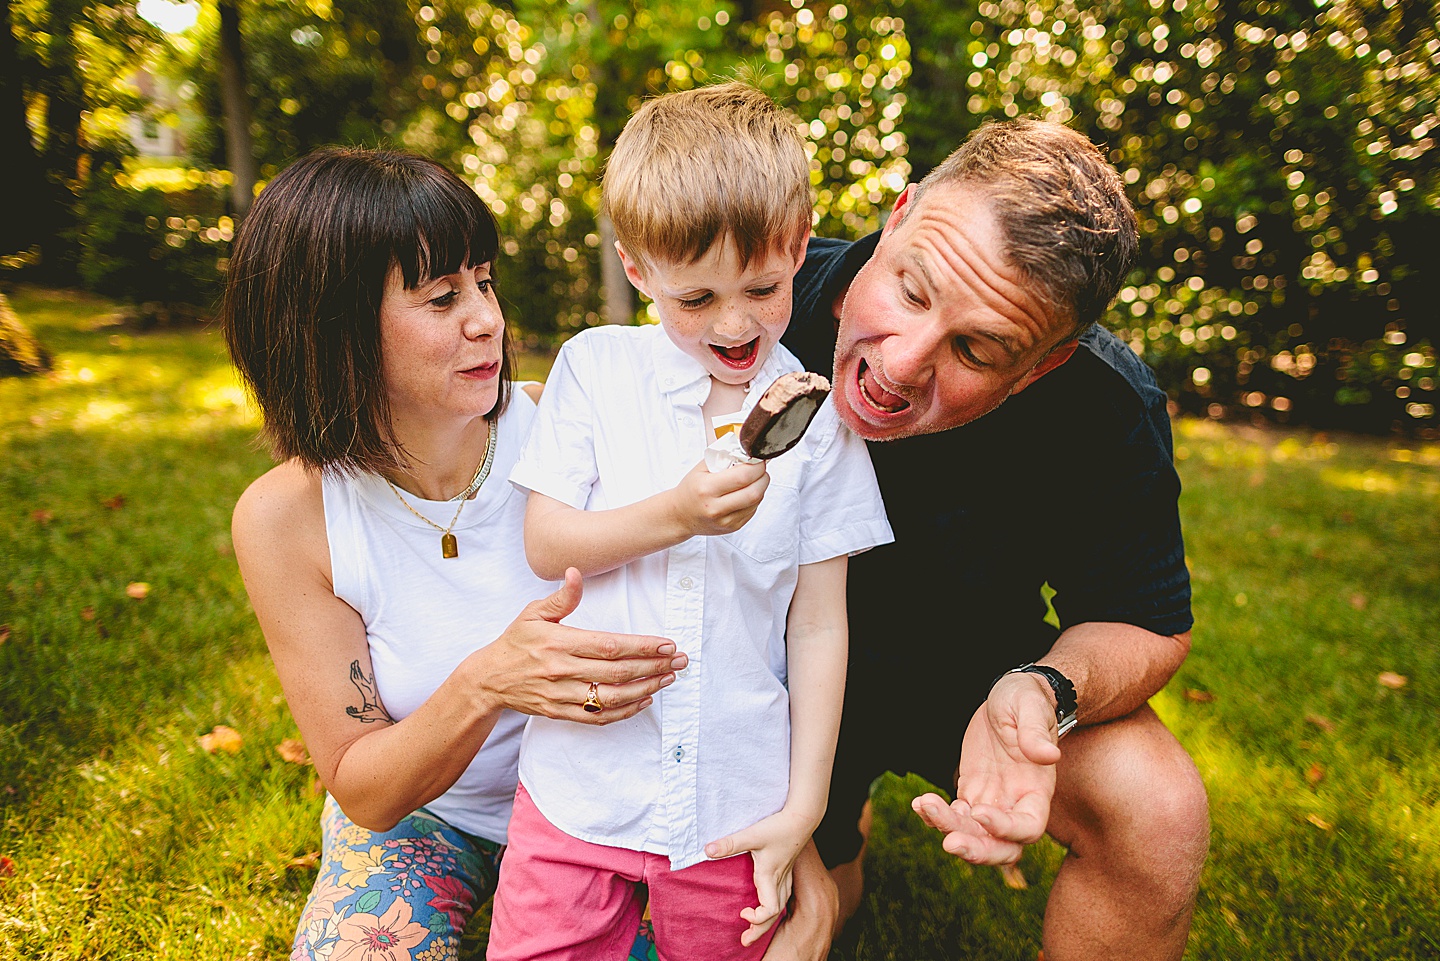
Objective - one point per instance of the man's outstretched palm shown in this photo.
(1006, 778)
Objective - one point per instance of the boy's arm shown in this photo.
(558, 536)
(817, 640)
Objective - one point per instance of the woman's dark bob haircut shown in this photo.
(302, 300)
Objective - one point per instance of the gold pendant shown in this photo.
(448, 546)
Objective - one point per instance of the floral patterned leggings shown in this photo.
(406, 894)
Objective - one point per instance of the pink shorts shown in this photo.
(562, 898)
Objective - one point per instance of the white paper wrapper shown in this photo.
(726, 452)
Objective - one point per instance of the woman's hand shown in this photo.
(540, 666)
(774, 843)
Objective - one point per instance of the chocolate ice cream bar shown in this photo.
(782, 413)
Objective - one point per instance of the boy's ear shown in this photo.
(800, 252)
(632, 271)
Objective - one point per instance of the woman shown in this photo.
(383, 556)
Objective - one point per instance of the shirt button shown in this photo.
(686, 583)
(679, 753)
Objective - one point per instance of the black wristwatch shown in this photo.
(1065, 705)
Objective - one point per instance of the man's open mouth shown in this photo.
(875, 394)
(739, 357)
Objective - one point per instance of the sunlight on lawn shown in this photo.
(1308, 700)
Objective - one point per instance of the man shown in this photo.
(1032, 449)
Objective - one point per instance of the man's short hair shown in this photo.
(708, 164)
(1067, 224)
(301, 312)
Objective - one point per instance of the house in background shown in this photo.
(151, 135)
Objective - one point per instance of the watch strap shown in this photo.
(1066, 704)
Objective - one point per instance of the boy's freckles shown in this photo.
(726, 316)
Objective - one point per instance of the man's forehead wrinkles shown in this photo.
(959, 255)
(964, 260)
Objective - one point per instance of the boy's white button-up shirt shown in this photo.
(621, 420)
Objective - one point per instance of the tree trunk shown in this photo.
(235, 97)
(20, 352)
(617, 298)
(65, 106)
(20, 227)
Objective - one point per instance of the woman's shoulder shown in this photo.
(284, 504)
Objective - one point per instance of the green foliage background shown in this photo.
(1280, 154)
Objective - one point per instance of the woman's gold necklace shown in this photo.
(449, 546)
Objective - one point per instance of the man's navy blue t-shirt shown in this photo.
(1068, 483)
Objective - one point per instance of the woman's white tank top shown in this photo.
(424, 613)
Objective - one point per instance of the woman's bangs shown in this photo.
(440, 227)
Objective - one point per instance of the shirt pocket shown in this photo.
(773, 534)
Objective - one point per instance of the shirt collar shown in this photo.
(676, 372)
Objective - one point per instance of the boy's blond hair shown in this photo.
(703, 165)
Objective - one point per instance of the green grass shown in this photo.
(1316, 565)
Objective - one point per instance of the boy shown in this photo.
(744, 569)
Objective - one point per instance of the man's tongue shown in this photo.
(881, 396)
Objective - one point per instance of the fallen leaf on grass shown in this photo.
(1319, 822)
(1315, 775)
(222, 738)
(1358, 601)
(225, 549)
(1323, 723)
(139, 590)
(114, 503)
(87, 613)
(1392, 680)
(315, 790)
(7, 867)
(42, 516)
(1014, 878)
(293, 750)
(303, 862)
(1199, 697)
(4, 633)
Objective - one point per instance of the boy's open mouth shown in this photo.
(875, 394)
(738, 357)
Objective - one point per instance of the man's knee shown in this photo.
(1129, 794)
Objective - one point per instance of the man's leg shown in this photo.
(1130, 807)
(849, 878)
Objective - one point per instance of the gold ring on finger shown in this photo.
(592, 703)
